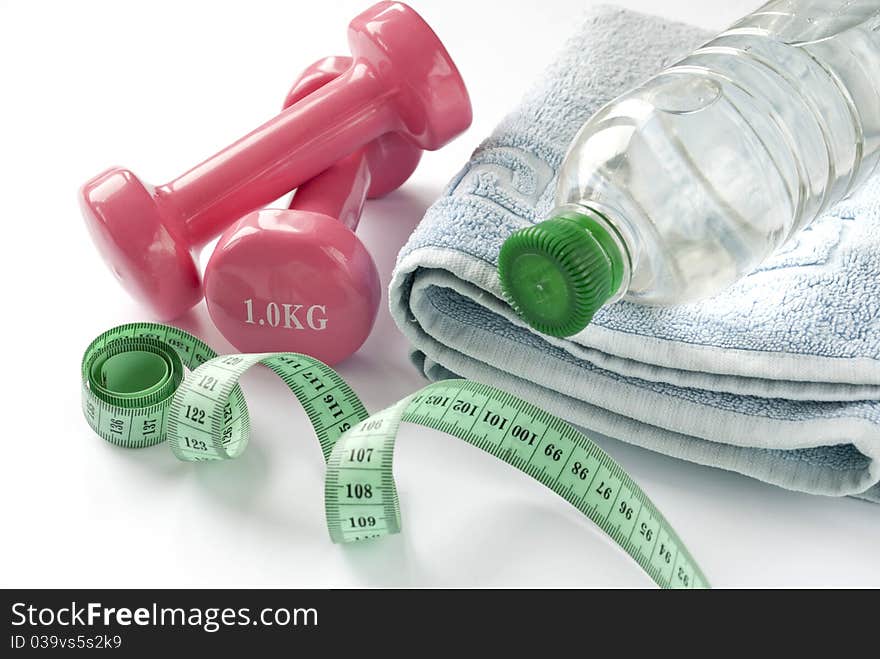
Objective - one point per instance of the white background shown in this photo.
(157, 86)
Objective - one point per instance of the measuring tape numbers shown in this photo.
(136, 394)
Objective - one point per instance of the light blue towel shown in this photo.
(777, 378)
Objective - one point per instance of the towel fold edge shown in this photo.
(780, 467)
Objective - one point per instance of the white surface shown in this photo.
(157, 86)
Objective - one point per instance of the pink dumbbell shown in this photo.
(401, 80)
(300, 280)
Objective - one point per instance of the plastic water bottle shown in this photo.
(678, 188)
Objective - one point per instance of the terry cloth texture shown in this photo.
(777, 378)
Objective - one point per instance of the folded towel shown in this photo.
(777, 378)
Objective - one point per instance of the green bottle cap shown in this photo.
(557, 273)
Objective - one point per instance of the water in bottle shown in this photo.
(683, 185)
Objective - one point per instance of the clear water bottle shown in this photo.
(678, 188)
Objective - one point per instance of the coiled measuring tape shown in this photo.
(135, 394)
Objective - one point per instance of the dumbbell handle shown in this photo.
(286, 151)
(339, 191)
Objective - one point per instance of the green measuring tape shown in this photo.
(135, 394)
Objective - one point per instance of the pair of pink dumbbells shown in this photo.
(299, 279)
